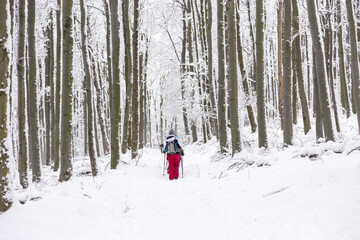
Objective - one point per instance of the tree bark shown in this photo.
(243, 72)
(56, 140)
(299, 72)
(288, 128)
(183, 70)
(67, 85)
(263, 143)
(221, 77)
(354, 58)
(23, 157)
(5, 200)
(343, 83)
(280, 75)
(34, 151)
(115, 85)
(213, 109)
(234, 111)
(128, 67)
(320, 69)
(88, 85)
(135, 93)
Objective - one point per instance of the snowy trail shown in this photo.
(293, 199)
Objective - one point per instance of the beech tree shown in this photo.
(321, 76)
(5, 200)
(34, 151)
(67, 84)
(260, 74)
(115, 84)
(23, 157)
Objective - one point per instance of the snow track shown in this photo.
(295, 198)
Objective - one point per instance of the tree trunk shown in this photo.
(317, 107)
(243, 72)
(48, 85)
(115, 85)
(329, 59)
(354, 57)
(234, 110)
(88, 84)
(56, 140)
(343, 83)
(183, 70)
(34, 152)
(213, 110)
(260, 74)
(52, 90)
(105, 140)
(288, 128)
(5, 200)
(280, 75)
(141, 99)
(191, 71)
(221, 77)
(128, 67)
(320, 69)
(23, 157)
(135, 93)
(299, 72)
(67, 85)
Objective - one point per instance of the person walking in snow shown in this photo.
(173, 150)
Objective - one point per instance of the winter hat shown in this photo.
(171, 132)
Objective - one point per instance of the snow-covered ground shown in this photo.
(303, 192)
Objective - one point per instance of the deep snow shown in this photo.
(282, 195)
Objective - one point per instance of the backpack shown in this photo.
(171, 148)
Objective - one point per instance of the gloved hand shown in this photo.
(182, 152)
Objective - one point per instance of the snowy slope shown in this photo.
(294, 198)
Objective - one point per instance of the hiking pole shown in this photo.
(182, 167)
(164, 165)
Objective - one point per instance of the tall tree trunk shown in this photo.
(135, 93)
(90, 131)
(317, 110)
(254, 49)
(260, 74)
(320, 69)
(354, 57)
(299, 72)
(56, 140)
(115, 85)
(99, 111)
(128, 67)
(234, 111)
(145, 99)
(52, 90)
(48, 84)
(213, 109)
(280, 75)
(183, 70)
(67, 85)
(288, 128)
(191, 71)
(329, 58)
(343, 83)
(221, 77)
(34, 153)
(23, 157)
(5, 200)
(141, 98)
(243, 72)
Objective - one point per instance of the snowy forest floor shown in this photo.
(308, 191)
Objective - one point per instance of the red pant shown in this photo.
(174, 161)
